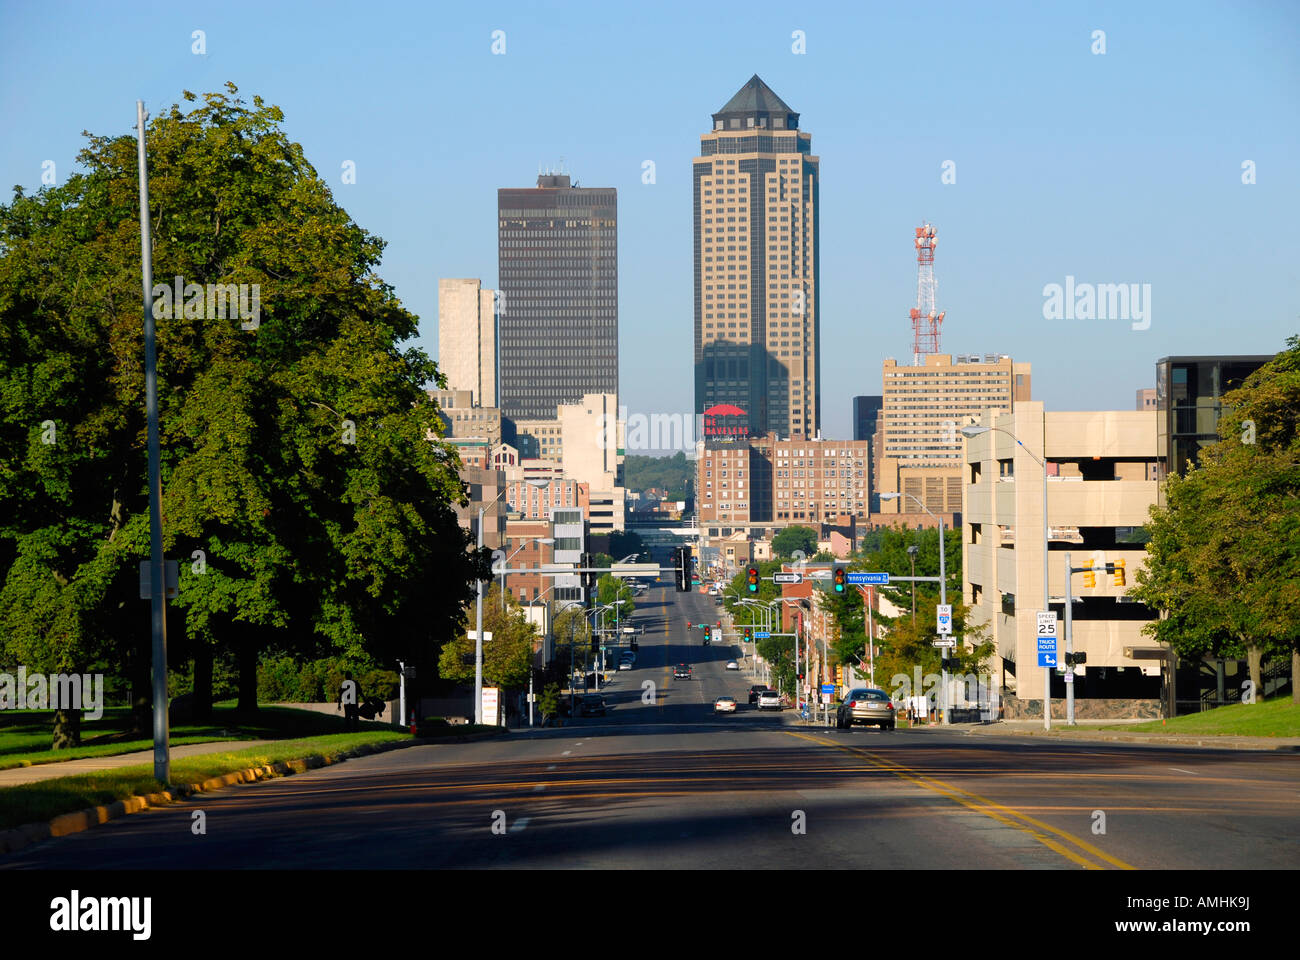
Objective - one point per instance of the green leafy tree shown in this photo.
(674, 474)
(309, 509)
(506, 657)
(1223, 559)
(611, 588)
(792, 538)
(548, 702)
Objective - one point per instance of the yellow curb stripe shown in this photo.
(989, 808)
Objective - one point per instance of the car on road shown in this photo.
(867, 706)
(769, 699)
(724, 705)
(682, 671)
(625, 664)
(591, 706)
(732, 665)
(755, 690)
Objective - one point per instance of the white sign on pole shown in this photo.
(1046, 623)
(491, 705)
(473, 635)
(943, 612)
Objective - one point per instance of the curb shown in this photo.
(1161, 739)
(69, 823)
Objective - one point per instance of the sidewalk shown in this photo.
(1088, 730)
(70, 768)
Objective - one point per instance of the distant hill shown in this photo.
(675, 474)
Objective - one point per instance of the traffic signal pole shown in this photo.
(1069, 647)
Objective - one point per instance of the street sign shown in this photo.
(1046, 644)
(787, 578)
(867, 578)
(1046, 623)
(171, 575)
(716, 635)
(819, 574)
(1046, 659)
(943, 643)
(761, 634)
(943, 612)
(828, 688)
(473, 635)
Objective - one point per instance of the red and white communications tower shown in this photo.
(925, 322)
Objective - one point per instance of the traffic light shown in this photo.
(1075, 659)
(689, 625)
(588, 579)
(749, 634)
(1089, 578)
(838, 577)
(1117, 569)
(688, 568)
(753, 579)
(681, 564)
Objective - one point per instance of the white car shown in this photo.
(625, 664)
(724, 705)
(769, 698)
(732, 665)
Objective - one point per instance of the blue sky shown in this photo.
(1122, 167)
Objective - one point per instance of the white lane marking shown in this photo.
(578, 744)
(539, 788)
(566, 753)
(551, 767)
(519, 825)
(1181, 770)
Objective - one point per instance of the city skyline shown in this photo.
(1070, 178)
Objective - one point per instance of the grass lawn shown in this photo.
(38, 802)
(1272, 718)
(25, 734)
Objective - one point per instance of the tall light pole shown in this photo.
(943, 587)
(478, 615)
(974, 430)
(912, 551)
(157, 573)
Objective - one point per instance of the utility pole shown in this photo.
(478, 636)
(157, 584)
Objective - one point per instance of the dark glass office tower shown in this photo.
(558, 277)
(1188, 404)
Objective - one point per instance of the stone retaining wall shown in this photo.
(1085, 708)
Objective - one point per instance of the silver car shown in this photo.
(864, 705)
(769, 699)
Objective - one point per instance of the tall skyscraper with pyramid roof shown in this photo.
(757, 295)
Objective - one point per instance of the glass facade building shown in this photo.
(1188, 404)
(557, 248)
(757, 296)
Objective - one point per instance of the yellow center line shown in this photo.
(989, 808)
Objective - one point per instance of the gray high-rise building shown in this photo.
(558, 277)
(757, 296)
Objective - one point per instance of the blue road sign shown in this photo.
(762, 634)
(1046, 659)
(1047, 645)
(828, 688)
(868, 579)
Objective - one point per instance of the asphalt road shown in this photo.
(667, 784)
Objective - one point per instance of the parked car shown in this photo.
(591, 706)
(755, 690)
(724, 705)
(769, 699)
(682, 671)
(732, 665)
(868, 706)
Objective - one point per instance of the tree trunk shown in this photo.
(248, 674)
(202, 682)
(1254, 656)
(141, 698)
(1295, 675)
(67, 729)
